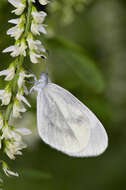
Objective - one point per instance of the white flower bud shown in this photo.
(19, 5)
(20, 98)
(13, 148)
(34, 57)
(23, 47)
(43, 2)
(35, 45)
(1, 120)
(36, 50)
(38, 17)
(9, 133)
(18, 108)
(9, 73)
(21, 79)
(5, 96)
(17, 30)
(36, 29)
(13, 140)
(37, 25)
(7, 171)
(18, 49)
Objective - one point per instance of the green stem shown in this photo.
(27, 29)
(8, 111)
(28, 19)
(20, 62)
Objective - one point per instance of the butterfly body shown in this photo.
(65, 123)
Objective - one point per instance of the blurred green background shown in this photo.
(87, 56)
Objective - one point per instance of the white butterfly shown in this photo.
(65, 123)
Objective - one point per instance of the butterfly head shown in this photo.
(41, 83)
(43, 79)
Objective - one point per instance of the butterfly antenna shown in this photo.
(47, 66)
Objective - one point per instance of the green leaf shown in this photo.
(77, 62)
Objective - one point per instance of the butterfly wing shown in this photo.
(68, 125)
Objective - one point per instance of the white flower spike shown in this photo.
(13, 95)
(19, 5)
